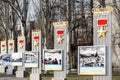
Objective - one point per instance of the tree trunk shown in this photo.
(24, 18)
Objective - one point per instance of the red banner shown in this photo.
(36, 37)
(102, 22)
(21, 41)
(10, 44)
(3, 45)
(60, 32)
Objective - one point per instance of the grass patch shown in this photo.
(116, 76)
(75, 76)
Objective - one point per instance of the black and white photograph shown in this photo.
(52, 59)
(5, 59)
(17, 59)
(30, 59)
(92, 57)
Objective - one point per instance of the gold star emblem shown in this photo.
(59, 40)
(101, 33)
(10, 48)
(21, 46)
(3, 49)
(36, 44)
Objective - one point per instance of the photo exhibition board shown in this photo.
(53, 59)
(92, 60)
(5, 59)
(17, 59)
(30, 59)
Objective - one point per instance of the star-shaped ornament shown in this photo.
(11, 48)
(59, 40)
(101, 33)
(21, 46)
(3, 49)
(36, 44)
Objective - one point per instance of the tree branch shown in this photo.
(19, 14)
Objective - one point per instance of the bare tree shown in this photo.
(49, 12)
(80, 26)
(21, 12)
(5, 20)
(116, 32)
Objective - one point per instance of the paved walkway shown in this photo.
(9, 77)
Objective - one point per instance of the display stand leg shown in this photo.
(9, 70)
(2, 69)
(35, 75)
(20, 72)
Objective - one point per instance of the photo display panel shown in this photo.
(5, 59)
(92, 60)
(53, 59)
(31, 59)
(17, 59)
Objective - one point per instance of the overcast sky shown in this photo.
(33, 6)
